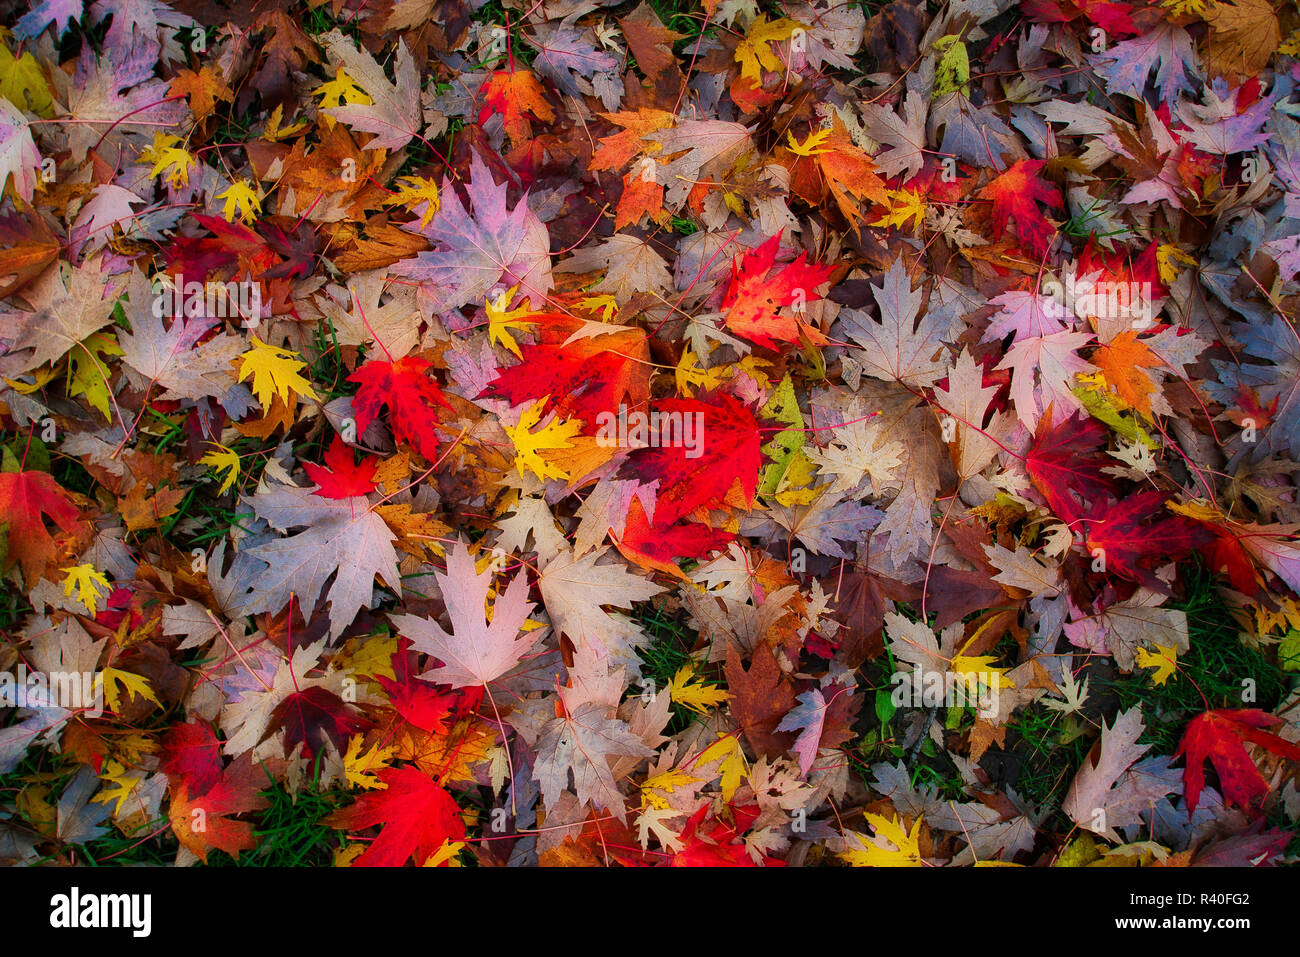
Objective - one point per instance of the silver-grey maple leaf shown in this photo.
(472, 254)
(972, 134)
(902, 132)
(581, 743)
(1087, 803)
(1165, 48)
(1139, 789)
(476, 652)
(821, 525)
(631, 266)
(574, 589)
(78, 819)
(808, 717)
(1022, 569)
(67, 311)
(395, 115)
(564, 54)
(167, 357)
(897, 348)
(909, 518)
(340, 538)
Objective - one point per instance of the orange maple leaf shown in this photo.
(618, 149)
(25, 497)
(838, 167)
(1121, 362)
(642, 195)
(514, 93)
(1015, 195)
(758, 290)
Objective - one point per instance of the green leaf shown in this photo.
(953, 71)
(783, 406)
(1288, 652)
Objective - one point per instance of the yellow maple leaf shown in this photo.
(811, 146)
(124, 783)
(87, 373)
(1182, 7)
(127, 749)
(109, 679)
(276, 372)
(446, 855)
(1268, 620)
(754, 52)
(223, 460)
(23, 83)
(1199, 509)
(667, 782)
(340, 90)
(344, 856)
(359, 768)
(732, 767)
(796, 485)
(1164, 659)
(904, 204)
(952, 73)
(502, 319)
(981, 665)
(88, 583)
(529, 444)
(694, 695)
(905, 851)
(169, 159)
(274, 132)
(369, 657)
(242, 199)
(41, 377)
(414, 191)
(606, 305)
(1167, 254)
(691, 375)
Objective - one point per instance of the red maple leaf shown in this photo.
(1015, 194)
(757, 291)
(234, 248)
(1218, 736)
(1121, 267)
(727, 452)
(344, 478)
(1115, 18)
(191, 754)
(412, 397)
(307, 717)
(656, 545)
(1227, 556)
(419, 702)
(417, 815)
(584, 378)
(25, 497)
(1129, 544)
(202, 823)
(717, 847)
(1065, 465)
(298, 245)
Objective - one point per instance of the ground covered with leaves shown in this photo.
(577, 432)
